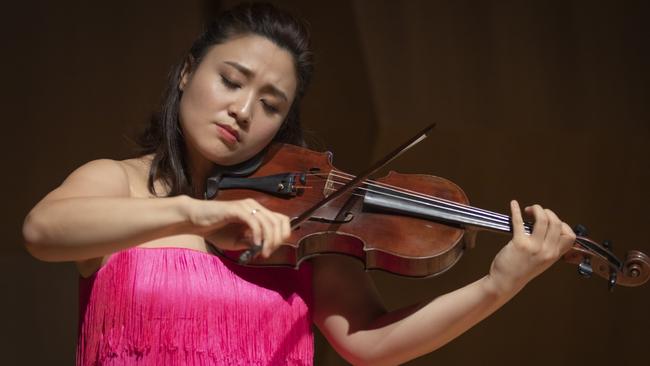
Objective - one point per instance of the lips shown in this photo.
(228, 132)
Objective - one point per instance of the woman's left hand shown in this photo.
(526, 256)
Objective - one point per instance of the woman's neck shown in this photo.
(199, 170)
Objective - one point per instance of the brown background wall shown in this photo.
(543, 101)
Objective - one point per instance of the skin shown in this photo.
(104, 206)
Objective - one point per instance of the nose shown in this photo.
(241, 109)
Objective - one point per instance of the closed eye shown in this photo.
(229, 83)
(269, 108)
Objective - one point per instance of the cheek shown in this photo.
(266, 131)
(197, 101)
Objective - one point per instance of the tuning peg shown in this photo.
(608, 245)
(612, 281)
(580, 230)
(584, 268)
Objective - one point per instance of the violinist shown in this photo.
(153, 292)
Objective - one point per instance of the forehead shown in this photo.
(268, 62)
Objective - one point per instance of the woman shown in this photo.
(138, 230)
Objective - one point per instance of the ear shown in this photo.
(186, 73)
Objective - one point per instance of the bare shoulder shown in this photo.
(140, 164)
(137, 173)
(104, 178)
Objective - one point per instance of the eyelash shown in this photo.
(270, 108)
(229, 83)
(232, 85)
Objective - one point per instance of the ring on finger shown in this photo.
(254, 211)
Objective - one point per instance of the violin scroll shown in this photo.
(591, 257)
(636, 268)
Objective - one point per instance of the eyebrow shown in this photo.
(249, 74)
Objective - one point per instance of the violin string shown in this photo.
(431, 198)
(454, 205)
(502, 220)
(437, 199)
(440, 203)
(477, 220)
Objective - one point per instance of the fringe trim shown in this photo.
(176, 306)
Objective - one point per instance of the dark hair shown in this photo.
(163, 136)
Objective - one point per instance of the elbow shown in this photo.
(35, 238)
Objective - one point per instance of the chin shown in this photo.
(226, 157)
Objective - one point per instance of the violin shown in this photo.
(412, 225)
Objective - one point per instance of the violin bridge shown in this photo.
(329, 186)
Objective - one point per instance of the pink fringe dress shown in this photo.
(176, 306)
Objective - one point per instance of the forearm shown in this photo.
(364, 333)
(79, 228)
(405, 334)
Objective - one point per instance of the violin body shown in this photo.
(393, 224)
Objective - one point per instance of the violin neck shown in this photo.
(436, 209)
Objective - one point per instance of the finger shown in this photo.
(277, 231)
(255, 226)
(554, 227)
(541, 224)
(281, 231)
(266, 242)
(568, 237)
(268, 239)
(552, 244)
(517, 220)
(253, 212)
(567, 231)
(286, 227)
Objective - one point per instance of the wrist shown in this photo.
(184, 207)
(498, 287)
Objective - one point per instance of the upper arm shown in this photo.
(345, 301)
(98, 178)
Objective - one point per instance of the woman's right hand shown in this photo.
(237, 225)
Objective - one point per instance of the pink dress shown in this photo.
(176, 306)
